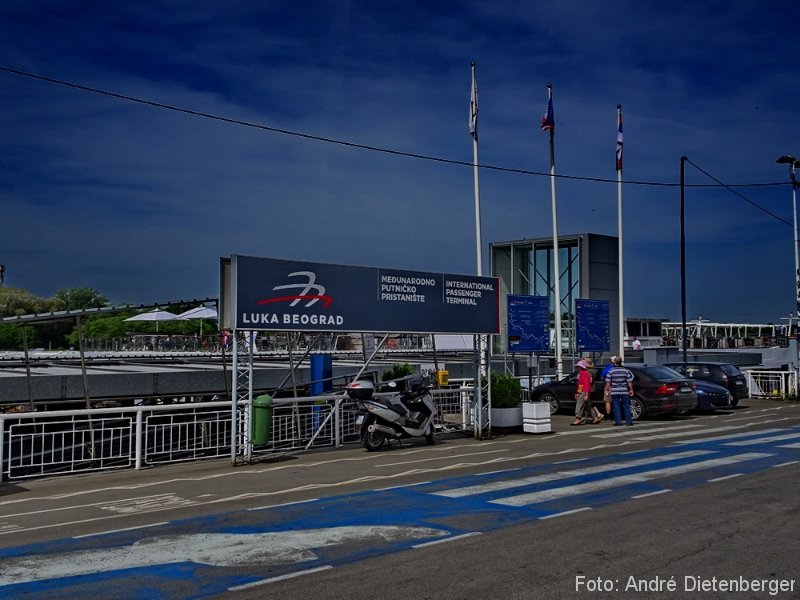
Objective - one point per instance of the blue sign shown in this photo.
(528, 323)
(284, 295)
(592, 331)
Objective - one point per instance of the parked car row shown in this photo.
(722, 374)
(658, 389)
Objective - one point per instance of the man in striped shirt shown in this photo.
(619, 387)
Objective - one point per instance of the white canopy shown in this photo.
(199, 312)
(154, 315)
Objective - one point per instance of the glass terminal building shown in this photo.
(589, 265)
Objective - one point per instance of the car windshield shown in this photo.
(730, 370)
(661, 373)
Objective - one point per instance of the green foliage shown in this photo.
(78, 298)
(397, 371)
(11, 337)
(15, 302)
(506, 391)
(101, 327)
(61, 334)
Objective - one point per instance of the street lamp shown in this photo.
(793, 163)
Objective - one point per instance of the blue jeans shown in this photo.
(623, 401)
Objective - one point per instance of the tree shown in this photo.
(78, 298)
(15, 302)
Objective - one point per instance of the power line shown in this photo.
(746, 199)
(353, 144)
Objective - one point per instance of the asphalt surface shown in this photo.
(675, 507)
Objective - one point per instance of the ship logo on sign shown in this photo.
(306, 288)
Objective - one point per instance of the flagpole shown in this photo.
(619, 233)
(556, 266)
(480, 341)
(474, 131)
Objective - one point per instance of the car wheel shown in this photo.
(637, 409)
(552, 401)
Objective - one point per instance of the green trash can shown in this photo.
(262, 419)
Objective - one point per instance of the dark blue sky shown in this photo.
(140, 202)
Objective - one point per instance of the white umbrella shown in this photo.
(154, 315)
(199, 312)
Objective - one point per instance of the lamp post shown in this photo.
(684, 341)
(793, 163)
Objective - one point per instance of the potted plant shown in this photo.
(506, 401)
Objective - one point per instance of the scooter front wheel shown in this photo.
(371, 440)
(429, 435)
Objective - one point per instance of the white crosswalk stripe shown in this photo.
(547, 477)
(731, 436)
(604, 484)
(677, 434)
(638, 430)
(763, 440)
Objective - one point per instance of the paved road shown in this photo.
(518, 516)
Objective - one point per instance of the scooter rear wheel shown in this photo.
(371, 440)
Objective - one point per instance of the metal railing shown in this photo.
(36, 444)
(771, 384)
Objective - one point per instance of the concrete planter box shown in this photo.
(536, 417)
(507, 417)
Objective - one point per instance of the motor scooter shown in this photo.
(393, 415)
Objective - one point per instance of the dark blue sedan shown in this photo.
(711, 396)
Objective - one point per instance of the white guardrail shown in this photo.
(771, 384)
(35, 444)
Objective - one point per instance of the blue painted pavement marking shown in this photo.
(199, 557)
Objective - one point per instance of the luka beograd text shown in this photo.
(291, 319)
(396, 288)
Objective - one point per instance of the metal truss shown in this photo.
(483, 388)
(241, 439)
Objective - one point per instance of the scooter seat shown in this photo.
(398, 408)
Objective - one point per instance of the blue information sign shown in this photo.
(592, 331)
(528, 323)
(284, 295)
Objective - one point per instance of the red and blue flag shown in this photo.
(619, 140)
(549, 120)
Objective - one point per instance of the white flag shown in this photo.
(473, 107)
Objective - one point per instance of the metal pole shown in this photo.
(556, 266)
(683, 258)
(792, 164)
(84, 375)
(480, 344)
(474, 130)
(796, 260)
(234, 398)
(619, 235)
(28, 366)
